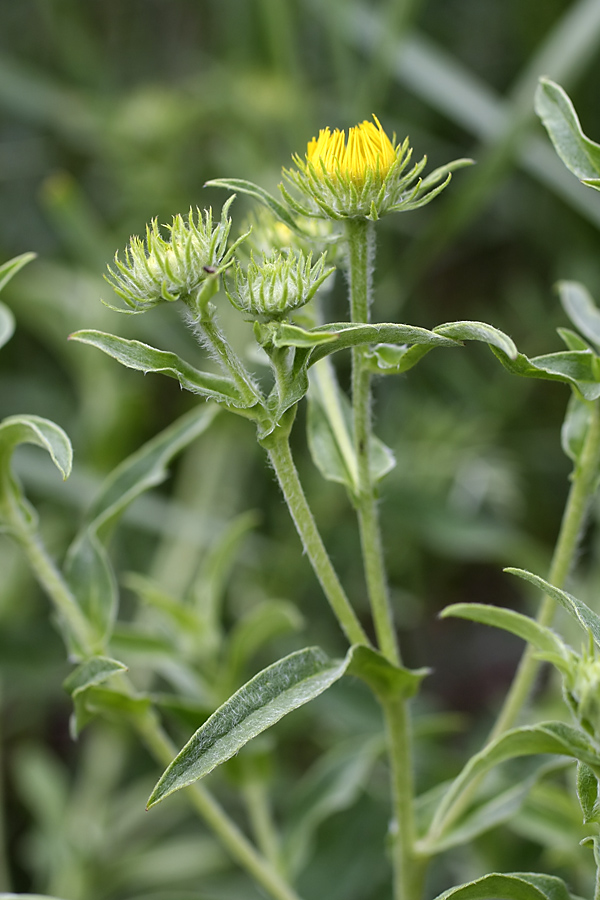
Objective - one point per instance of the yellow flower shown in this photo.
(369, 149)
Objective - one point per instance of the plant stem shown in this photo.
(360, 237)
(409, 868)
(261, 819)
(282, 461)
(216, 818)
(580, 494)
(210, 334)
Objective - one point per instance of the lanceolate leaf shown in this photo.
(575, 426)
(512, 886)
(387, 681)
(540, 637)
(587, 791)
(7, 324)
(584, 615)
(349, 335)
(578, 368)
(479, 331)
(93, 671)
(579, 154)
(546, 737)
(579, 306)
(264, 700)
(144, 358)
(9, 269)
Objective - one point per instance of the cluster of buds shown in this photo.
(278, 284)
(156, 269)
(363, 177)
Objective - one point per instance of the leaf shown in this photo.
(479, 331)
(144, 358)
(265, 622)
(387, 681)
(87, 567)
(283, 334)
(575, 427)
(9, 269)
(7, 324)
(587, 792)
(578, 304)
(389, 359)
(512, 886)
(579, 154)
(260, 703)
(351, 335)
(573, 340)
(239, 185)
(329, 430)
(546, 737)
(15, 512)
(579, 369)
(94, 670)
(586, 617)
(539, 636)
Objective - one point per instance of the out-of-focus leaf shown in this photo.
(9, 269)
(539, 636)
(586, 617)
(587, 791)
(546, 737)
(94, 670)
(513, 886)
(329, 428)
(7, 324)
(144, 358)
(579, 154)
(578, 304)
(387, 681)
(575, 427)
(260, 703)
(264, 623)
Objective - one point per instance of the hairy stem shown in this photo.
(234, 840)
(282, 461)
(361, 250)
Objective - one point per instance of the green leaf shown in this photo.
(573, 340)
(546, 737)
(387, 681)
(578, 304)
(114, 705)
(539, 636)
(587, 791)
(579, 369)
(144, 358)
(586, 617)
(239, 185)
(9, 269)
(575, 427)
(389, 359)
(94, 670)
(260, 703)
(87, 567)
(512, 886)
(283, 334)
(15, 512)
(579, 154)
(265, 622)
(7, 324)
(479, 331)
(351, 335)
(329, 429)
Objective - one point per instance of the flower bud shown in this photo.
(280, 283)
(174, 269)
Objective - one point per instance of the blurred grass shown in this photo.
(111, 114)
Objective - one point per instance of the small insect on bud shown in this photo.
(278, 284)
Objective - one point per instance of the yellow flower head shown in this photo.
(368, 149)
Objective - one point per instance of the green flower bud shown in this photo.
(279, 284)
(157, 270)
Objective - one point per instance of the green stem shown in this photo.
(582, 490)
(282, 461)
(209, 333)
(360, 237)
(261, 819)
(216, 818)
(409, 868)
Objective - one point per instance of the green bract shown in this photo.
(277, 285)
(156, 269)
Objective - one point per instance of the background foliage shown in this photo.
(112, 113)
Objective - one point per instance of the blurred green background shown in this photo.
(116, 111)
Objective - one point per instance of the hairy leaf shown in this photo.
(94, 670)
(578, 304)
(260, 194)
(579, 154)
(512, 886)
(9, 269)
